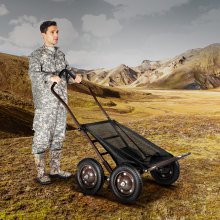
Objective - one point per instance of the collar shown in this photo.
(46, 47)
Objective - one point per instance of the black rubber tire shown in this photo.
(167, 175)
(90, 176)
(126, 183)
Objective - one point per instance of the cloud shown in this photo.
(26, 32)
(210, 17)
(202, 31)
(100, 26)
(24, 19)
(67, 32)
(8, 47)
(126, 9)
(58, 0)
(25, 35)
(199, 33)
(101, 59)
(3, 10)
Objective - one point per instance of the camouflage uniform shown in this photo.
(50, 115)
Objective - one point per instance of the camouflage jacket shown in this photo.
(43, 64)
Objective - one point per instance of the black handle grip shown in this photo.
(52, 87)
(61, 73)
(67, 72)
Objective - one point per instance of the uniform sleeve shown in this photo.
(35, 71)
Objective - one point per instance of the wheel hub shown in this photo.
(125, 183)
(88, 176)
(166, 172)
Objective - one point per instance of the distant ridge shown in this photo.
(194, 69)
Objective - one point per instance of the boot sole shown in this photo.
(60, 176)
(42, 183)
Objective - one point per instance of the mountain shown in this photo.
(193, 69)
(13, 75)
(15, 97)
(121, 75)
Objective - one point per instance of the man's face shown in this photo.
(51, 36)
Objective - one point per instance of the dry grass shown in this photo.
(175, 120)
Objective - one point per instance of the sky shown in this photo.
(107, 33)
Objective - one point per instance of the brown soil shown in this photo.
(178, 122)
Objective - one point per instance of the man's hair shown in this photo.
(44, 26)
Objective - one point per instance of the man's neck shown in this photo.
(50, 47)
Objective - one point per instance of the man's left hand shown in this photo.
(78, 79)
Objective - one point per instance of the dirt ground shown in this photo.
(178, 121)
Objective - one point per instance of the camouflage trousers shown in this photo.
(49, 129)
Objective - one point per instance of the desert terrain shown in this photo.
(176, 120)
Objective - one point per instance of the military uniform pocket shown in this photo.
(41, 126)
(39, 119)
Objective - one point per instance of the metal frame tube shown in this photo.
(79, 126)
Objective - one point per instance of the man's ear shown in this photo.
(43, 35)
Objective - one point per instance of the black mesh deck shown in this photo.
(123, 143)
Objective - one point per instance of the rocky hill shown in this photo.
(121, 75)
(15, 81)
(16, 106)
(193, 69)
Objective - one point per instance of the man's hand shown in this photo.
(56, 79)
(78, 79)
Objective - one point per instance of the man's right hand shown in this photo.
(56, 79)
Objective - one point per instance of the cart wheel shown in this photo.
(166, 175)
(90, 176)
(126, 183)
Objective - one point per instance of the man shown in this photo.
(49, 123)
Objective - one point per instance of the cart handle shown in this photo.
(166, 162)
(79, 126)
(67, 107)
(61, 100)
